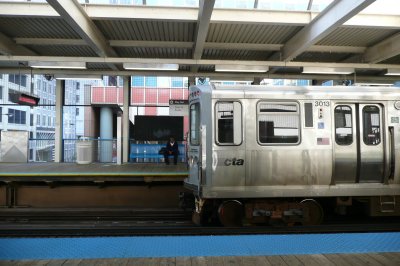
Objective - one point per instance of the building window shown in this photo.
(112, 81)
(177, 82)
(77, 98)
(138, 81)
(151, 81)
(278, 123)
(343, 125)
(1, 92)
(16, 116)
(17, 79)
(77, 111)
(38, 120)
(1, 114)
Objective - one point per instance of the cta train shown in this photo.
(259, 154)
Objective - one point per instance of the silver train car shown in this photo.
(259, 154)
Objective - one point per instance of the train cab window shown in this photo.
(195, 124)
(278, 123)
(343, 125)
(228, 123)
(371, 125)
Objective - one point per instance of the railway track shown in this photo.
(151, 222)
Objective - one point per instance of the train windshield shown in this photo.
(195, 124)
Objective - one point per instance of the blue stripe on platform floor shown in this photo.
(176, 246)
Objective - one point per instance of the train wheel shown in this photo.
(315, 212)
(231, 213)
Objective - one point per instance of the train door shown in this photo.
(359, 150)
(194, 149)
(228, 152)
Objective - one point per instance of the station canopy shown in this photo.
(228, 39)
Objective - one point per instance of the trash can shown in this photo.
(84, 151)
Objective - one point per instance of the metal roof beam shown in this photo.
(205, 10)
(9, 47)
(106, 12)
(215, 75)
(49, 41)
(117, 60)
(27, 9)
(159, 44)
(336, 49)
(189, 45)
(277, 47)
(326, 22)
(72, 12)
(383, 50)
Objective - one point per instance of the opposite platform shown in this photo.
(98, 171)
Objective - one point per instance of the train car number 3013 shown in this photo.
(322, 103)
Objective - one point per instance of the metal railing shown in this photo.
(100, 150)
(41, 150)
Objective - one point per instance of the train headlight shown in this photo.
(397, 105)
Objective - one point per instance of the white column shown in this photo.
(60, 86)
(125, 120)
(119, 139)
(106, 134)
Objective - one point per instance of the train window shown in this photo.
(371, 125)
(308, 115)
(228, 123)
(343, 125)
(195, 124)
(278, 123)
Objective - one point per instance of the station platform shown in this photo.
(298, 249)
(96, 185)
(14, 172)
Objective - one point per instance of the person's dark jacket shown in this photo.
(172, 149)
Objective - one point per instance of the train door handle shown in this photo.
(392, 161)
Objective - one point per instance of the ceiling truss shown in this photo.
(94, 23)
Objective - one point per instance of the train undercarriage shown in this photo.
(285, 211)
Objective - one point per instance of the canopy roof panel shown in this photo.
(285, 35)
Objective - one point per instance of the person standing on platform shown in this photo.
(171, 149)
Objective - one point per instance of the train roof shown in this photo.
(328, 92)
(305, 89)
